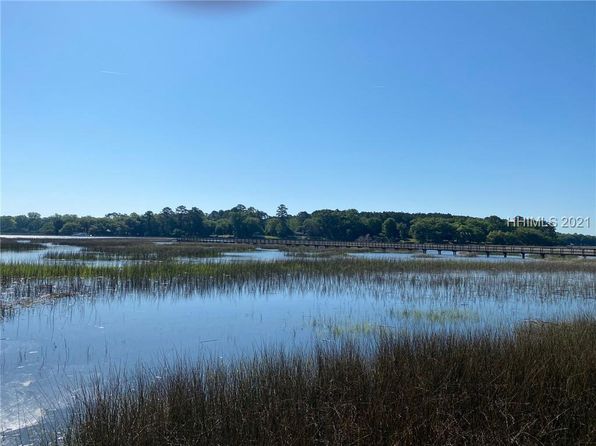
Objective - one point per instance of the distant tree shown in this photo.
(374, 225)
(501, 238)
(208, 227)
(223, 227)
(194, 223)
(273, 227)
(252, 227)
(132, 225)
(312, 228)
(22, 223)
(533, 236)
(70, 228)
(469, 232)
(150, 224)
(282, 212)
(403, 231)
(57, 222)
(432, 229)
(34, 222)
(344, 225)
(7, 224)
(47, 228)
(576, 239)
(277, 227)
(167, 221)
(178, 233)
(495, 223)
(390, 230)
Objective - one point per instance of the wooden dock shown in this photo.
(504, 250)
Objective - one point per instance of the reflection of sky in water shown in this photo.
(33, 256)
(258, 254)
(263, 255)
(50, 346)
(430, 254)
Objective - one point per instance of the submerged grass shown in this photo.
(123, 249)
(339, 330)
(536, 386)
(441, 315)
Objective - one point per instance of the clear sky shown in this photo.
(469, 108)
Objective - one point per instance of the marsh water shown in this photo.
(48, 350)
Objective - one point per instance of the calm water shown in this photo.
(49, 348)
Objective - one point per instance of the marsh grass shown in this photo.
(535, 386)
(135, 249)
(353, 267)
(42, 282)
(11, 244)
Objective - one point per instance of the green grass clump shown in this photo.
(536, 386)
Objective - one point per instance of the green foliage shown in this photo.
(277, 227)
(70, 227)
(282, 212)
(533, 236)
(501, 238)
(8, 224)
(390, 229)
(434, 230)
(341, 225)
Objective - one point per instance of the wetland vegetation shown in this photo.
(293, 347)
(9, 244)
(536, 386)
(136, 249)
(28, 281)
(127, 323)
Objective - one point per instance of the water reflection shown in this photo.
(48, 348)
(262, 255)
(36, 255)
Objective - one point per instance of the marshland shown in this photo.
(153, 341)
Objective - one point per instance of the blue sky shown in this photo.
(469, 108)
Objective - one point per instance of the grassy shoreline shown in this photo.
(537, 386)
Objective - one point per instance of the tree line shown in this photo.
(325, 224)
